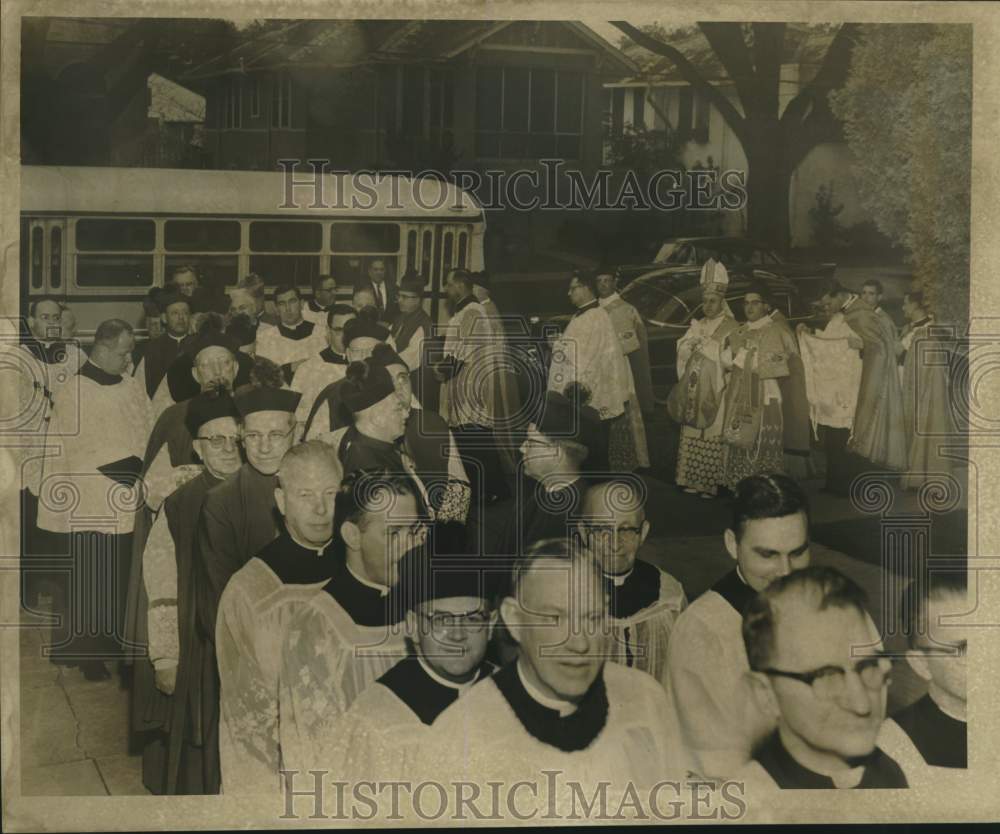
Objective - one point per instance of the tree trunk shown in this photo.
(768, 180)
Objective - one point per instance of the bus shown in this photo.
(100, 238)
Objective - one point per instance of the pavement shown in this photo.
(74, 738)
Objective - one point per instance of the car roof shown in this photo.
(716, 241)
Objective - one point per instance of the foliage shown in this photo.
(828, 232)
(907, 111)
(645, 151)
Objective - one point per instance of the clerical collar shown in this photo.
(443, 681)
(465, 302)
(564, 708)
(51, 353)
(177, 339)
(425, 692)
(734, 590)
(327, 355)
(382, 589)
(762, 322)
(604, 302)
(875, 770)
(631, 592)
(586, 308)
(362, 600)
(569, 733)
(297, 564)
(312, 305)
(618, 579)
(316, 548)
(301, 331)
(98, 375)
(558, 484)
(947, 712)
(923, 321)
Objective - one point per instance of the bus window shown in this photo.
(426, 253)
(352, 269)
(37, 242)
(411, 251)
(55, 258)
(364, 237)
(214, 271)
(449, 239)
(114, 270)
(201, 235)
(100, 235)
(285, 237)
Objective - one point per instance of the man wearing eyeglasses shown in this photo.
(240, 514)
(819, 671)
(643, 601)
(326, 367)
(178, 758)
(706, 661)
(257, 602)
(449, 621)
(932, 731)
(559, 707)
(345, 636)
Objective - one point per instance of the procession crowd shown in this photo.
(338, 537)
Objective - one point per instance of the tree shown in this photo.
(907, 113)
(774, 141)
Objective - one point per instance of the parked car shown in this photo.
(669, 301)
(687, 255)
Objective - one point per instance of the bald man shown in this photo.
(644, 601)
(260, 597)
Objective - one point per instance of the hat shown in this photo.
(481, 279)
(209, 406)
(241, 330)
(361, 327)
(260, 398)
(207, 338)
(384, 355)
(445, 568)
(412, 283)
(566, 416)
(714, 276)
(166, 299)
(366, 384)
(209, 300)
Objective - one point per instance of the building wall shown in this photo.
(830, 163)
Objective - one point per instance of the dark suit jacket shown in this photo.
(391, 309)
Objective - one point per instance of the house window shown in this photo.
(281, 101)
(524, 113)
(639, 109)
(254, 86)
(232, 104)
(693, 115)
(617, 112)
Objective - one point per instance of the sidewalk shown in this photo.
(74, 732)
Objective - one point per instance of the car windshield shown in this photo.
(655, 303)
(675, 252)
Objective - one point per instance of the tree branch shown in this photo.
(768, 56)
(820, 126)
(726, 40)
(689, 73)
(831, 74)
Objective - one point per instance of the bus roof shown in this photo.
(52, 189)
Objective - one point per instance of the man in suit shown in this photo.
(159, 352)
(383, 287)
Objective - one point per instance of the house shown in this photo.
(657, 97)
(415, 95)
(162, 127)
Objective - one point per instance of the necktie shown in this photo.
(378, 296)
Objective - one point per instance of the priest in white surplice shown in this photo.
(327, 366)
(831, 358)
(89, 495)
(559, 709)
(589, 352)
(449, 621)
(294, 339)
(644, 601)
(330, 649)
